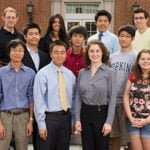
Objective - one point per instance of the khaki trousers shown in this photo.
(15, 125)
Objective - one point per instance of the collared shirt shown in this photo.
(46, 92)
(16, 88)
(141, 41)
(5, 37)
(109, 39)
(74, 62)
(97, 90)
(35, 57)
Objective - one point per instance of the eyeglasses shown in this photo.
(139, 18)
(17, 51)
(125, 36)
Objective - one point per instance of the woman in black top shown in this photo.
(55, 31)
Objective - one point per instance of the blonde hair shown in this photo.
(9, 9)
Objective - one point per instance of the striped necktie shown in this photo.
(100, 36)
(62, 90)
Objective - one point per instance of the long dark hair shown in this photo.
(137, 69)
(62, 33)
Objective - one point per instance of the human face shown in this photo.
(77, 40)
(16, 54)
(144, 61)
(125, 39)
(102, 24)
(32, 37)
(58, 55)
(95, 54)
(10, 19)
(140, 21)
(56, 24)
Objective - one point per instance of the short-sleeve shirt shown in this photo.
(140, 97)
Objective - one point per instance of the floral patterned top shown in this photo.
(140, 97)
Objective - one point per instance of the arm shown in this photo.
(126, 101)
(78, 102)
(29, 129)
(112, 102)
(39, 90)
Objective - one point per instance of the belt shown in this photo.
(16, 112)
(58, 113)
(95, 107)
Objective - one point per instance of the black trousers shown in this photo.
(59, 131)
(92, 120)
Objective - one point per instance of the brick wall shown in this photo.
(41, 12)
(123, 12)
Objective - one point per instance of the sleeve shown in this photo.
(30, 88)
(39, 91)
(111, 96)
(131, 77)
(42, 46)
(78, 100)
(73, 100)
(116, 45)
(1, 91)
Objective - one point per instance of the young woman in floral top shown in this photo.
(137, 102)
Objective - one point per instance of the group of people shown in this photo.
(56, 85)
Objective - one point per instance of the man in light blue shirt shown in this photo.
(16, 99)
(54, 123)
(102, 21)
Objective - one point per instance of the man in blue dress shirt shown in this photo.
(16, 99)
(102, 21)
(54, 123)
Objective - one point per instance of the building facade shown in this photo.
(74, 12)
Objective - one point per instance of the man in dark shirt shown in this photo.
(8, 32)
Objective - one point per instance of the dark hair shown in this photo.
(142, 10)
(103, 13)
(128, 28)
(105, 52)
(79, 30)
(31, 26)
(14, 44)
(137, 69)
(62, 33)
(57, 43)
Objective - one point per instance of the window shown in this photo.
(83, 8)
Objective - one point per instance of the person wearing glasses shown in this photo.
(16, 99)
(142, 36)
(8, 32)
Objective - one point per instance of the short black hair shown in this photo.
(77, 29)
(128, 28)
(141, 10)
(103, 12)
(57, 43)
(14, 44)
(31, 26)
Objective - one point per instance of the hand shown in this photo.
(29, 129)
(139, 123)
(106, 129)
(43, 134)
(2, 131)
(78, 127)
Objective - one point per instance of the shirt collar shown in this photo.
(29, 50)
(56, 67)
(7, 32)
(9, 67)
(81, 52)
(104, 33)
(103, 67)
